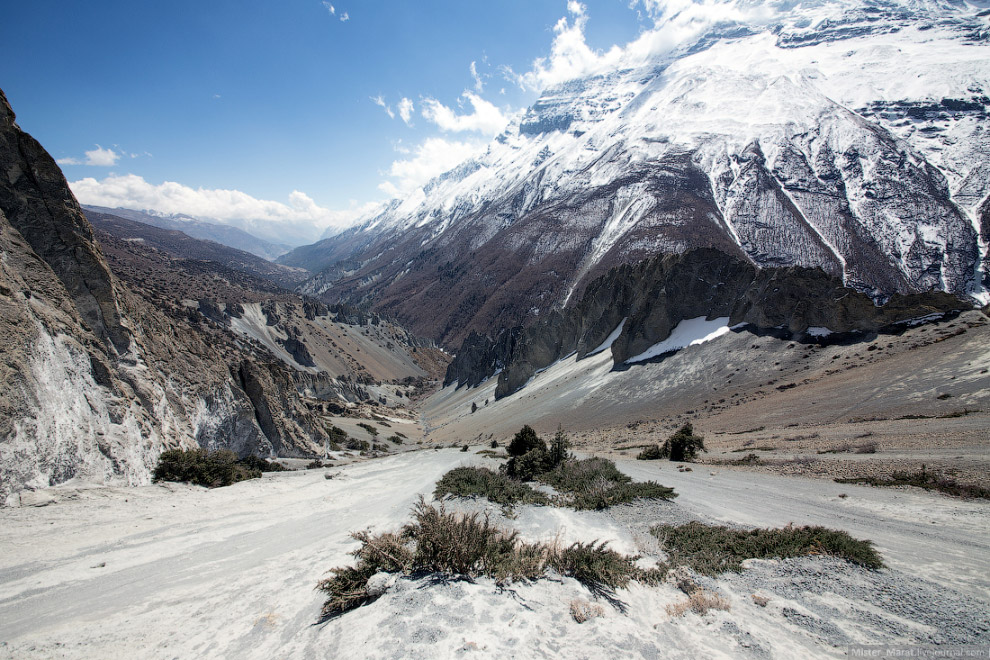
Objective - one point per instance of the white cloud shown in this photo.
(486, 117)
(431, 158)
(98, 157)
(479, 84)
(380, 101)
(406, 110)
(330, 8)
(227, 206)
(345, 17)
(101, 157)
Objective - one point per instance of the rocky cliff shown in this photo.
(97, 381)
(634, 307)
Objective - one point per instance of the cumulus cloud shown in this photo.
(330, 8)
(380, 101)
(485, 117)
(98, 157)
(431, 158)
(406, 110)
(227, 206)
(345, 17)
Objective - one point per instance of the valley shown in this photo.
(687, 357)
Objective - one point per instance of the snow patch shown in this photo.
(687, 333)
(607, 344)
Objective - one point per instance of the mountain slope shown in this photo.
(180, 244)
(207, 231)
(842, 136)
(99, 377)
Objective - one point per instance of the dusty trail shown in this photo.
(176, 571)
(942, 539)
(193, 573)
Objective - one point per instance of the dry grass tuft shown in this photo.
(583, 610)
(699, 602)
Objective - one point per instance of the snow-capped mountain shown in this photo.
(852, 136)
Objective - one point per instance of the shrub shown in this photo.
(253, 462)
(651, 453)
(595, 483)
(357, 445)
(493, 444)
(924, 479)
(395, 439)
(464, 448)
(467, 545)
(202, 467)
(528, 466)
(315, 464)
(712, 549)
(479, 481)
(369, 428)
(684, 445)
(525, 441)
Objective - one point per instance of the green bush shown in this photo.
(357, 445)
(712, 549)
(253, 462)
(395, 439)
(202, 467)
(369, 428)
(684, 445)
(926, 479)
(525, 441)
(651, 453)
(482, 482)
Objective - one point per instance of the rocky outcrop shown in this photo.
(37, 203)
(96, 380)
(650, 298)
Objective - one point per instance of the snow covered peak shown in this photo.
(845, 135)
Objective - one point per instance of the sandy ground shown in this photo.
(180, 572)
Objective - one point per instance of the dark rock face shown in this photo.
(655, 295)
(37, 202)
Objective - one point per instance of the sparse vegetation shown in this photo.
(593, 483)
(369, 428)
(470, 546)
(203, 468)
(926, 479)
(651, 453)
(479, 481)
(711, 549)
(357, 445)
(395, 439)
(253, 462)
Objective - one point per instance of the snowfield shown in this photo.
(177, 571)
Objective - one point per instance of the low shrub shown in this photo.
(395, 439)
(467, 545)
(926, 479)
(369, 428)
(253, 462)
(482, 482)
(357, 445)
(712, 549)
(315, 464)
(651, 453)
(203, 468)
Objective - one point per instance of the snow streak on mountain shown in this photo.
(846, 135)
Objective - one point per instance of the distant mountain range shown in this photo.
(210, 231)
(847, 136)
(178, 244)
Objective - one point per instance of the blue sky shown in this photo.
(288, 108)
